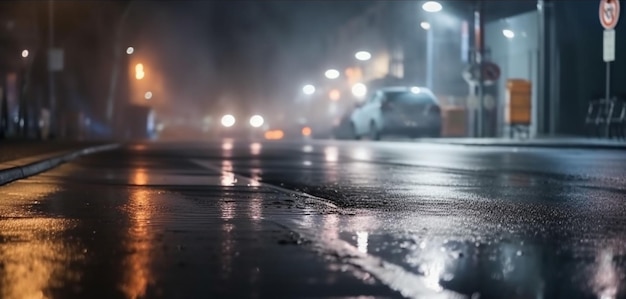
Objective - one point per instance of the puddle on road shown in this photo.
(490, 266)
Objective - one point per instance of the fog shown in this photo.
(230, 57)
(131, 69)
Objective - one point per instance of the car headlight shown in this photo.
(228, 120)
(257, 121)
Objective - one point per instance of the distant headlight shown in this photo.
(256, 121)
(359, 90)
(228, 120)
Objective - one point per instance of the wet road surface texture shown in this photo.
(321, 219)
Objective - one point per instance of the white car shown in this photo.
(404, 111)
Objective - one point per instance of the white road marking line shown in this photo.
(394, 276)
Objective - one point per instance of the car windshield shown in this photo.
(405, 97)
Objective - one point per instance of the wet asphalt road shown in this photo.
(321, 219)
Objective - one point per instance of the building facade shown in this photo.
(556, 45)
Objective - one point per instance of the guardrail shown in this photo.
(606, 119)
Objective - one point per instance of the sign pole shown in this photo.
(609, 16)
(607, 95)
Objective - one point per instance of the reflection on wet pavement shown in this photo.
(522, 223)
(217, 220)
(138, 242)
(127, 224)
(34, 259)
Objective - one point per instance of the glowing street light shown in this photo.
(332, 74)
(308, 89)
(363, 55)
(148, 95)
(425, 25)
(130, 50)
(359, 90)
(25, 53)
(256, 121)
(432, 6)
(139, 73)
(508, 33)
(228, 120)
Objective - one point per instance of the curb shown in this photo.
(564, 145)
(19, 172)
(547, 146)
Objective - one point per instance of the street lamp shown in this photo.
(308, 89)
(363, 55)
(332, 74)
(25, 53)
(432, 6)
(508, 33)
(130, 50)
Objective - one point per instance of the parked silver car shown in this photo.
(404, 111)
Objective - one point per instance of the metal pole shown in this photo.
(540, 107)
(429, 57)
(480, 44)
(51, 85)
(117, 54)
(607, 95)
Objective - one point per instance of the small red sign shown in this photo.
(491, 71)
(609, 13)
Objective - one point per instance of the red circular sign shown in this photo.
(491, 71)
(609, 13)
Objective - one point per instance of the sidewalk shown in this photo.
(557, 142)
(23, 158)
(12, 149)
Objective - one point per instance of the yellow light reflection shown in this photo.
(140, 177)
(361, 241)
(255, 149)
(33, 261)
(331, 154)
(137, 275)
(34, 256)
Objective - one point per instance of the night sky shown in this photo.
(221, 55)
